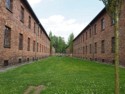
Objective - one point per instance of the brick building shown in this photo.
(96, 41)
(22, 37)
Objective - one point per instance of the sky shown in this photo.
(63, 17)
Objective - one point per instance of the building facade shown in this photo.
(96, 41)
(22, 37)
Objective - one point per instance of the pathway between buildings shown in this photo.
(13, 66)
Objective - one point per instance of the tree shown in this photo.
(61, 45)
(70, 42)
(113, 8)
(58, 43)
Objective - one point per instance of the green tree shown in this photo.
(70, 42)
(61, 45)
(55, 43)
(58, 43)
(113, 8)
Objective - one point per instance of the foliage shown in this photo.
(112, 6)
(62, 75)
(58, 43)
(70, 42)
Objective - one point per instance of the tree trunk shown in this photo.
(117, 52)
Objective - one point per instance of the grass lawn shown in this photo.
(62, 75)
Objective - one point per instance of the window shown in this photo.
(6, 63)
(86, 35)
(20, 41)
(9, 4)
(40, 47)
(113, 61)
(86, 49)
(34, 46)
(95, 30)
(102, 24)
(95, 47)
(90, 48)
(28, 47)
(37, 47)
(28, 59)
(34, 27)
(90, 33)
(7, 37)
(103, 60)
(38, 31)
(113, 45)
(95, 59)
(29, 22)
(83, 50)
(20, 60)
(22, 14)
(103, 46)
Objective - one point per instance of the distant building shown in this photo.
(22, 36)
(96, 41)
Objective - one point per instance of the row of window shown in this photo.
(6, 62)
(7, 41)
(90, 33)
(85, 49)
(9, 6)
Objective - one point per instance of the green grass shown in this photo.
(62, 75)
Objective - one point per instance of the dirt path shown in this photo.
(34, 90)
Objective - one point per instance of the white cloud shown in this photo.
(61, 26)
(33, 2)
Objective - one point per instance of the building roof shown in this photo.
(98, 15)
(27, 5)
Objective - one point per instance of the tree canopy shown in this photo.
(70, 42)
(112, 6)
(58, 43)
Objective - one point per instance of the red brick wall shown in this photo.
(12, 20)
(106, 35)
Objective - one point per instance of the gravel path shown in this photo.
(13, 66)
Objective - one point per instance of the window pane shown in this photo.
(7, 37)
(33, 46)
(103, 24)
(103, 46)
(22, 14)
(28, 47)
(20, 41)
(29, 22)
(9, 4)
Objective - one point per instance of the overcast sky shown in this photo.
(63, 17)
